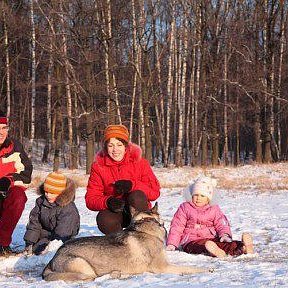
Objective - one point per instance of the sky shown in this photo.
(255, 208)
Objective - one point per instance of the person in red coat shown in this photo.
(119, 178)
(15, 175)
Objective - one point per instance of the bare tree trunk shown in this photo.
(113, 108)
(116, 97)
(169, 85)
(182, 96)
(267, 80)
(136, 51)
(72, 163)
(148, 142)
(141, 120)
(204, 158)
(90, 139)
(279, 83)
(58, 120)
(33, 78)
(190, 112)
(7, 64)
(198, 55)
(225, 116)
(257, 133)
(48, 115)
(237, 136)
(105, 16)
(160, 103)
(58, 142)
(77, 132)
(214, 140)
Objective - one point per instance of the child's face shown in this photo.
(200, 200)
(51, 197)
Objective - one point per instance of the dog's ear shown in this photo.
(155, 208)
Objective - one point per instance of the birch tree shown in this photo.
(72, 147)
(7, 64)
(169, 88)
(33, 77)
(181, 94)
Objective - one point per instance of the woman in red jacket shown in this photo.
(119, 178)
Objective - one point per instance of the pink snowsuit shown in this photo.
(192, 223)
(192, 226)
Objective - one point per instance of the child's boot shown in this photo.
(214, 250)
(248, 243)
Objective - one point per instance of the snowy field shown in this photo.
(261, 209)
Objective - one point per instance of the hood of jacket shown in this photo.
(66, 197)
(133, 153)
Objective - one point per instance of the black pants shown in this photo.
(110, 222)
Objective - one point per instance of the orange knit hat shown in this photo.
(55, 183)
(116, 131)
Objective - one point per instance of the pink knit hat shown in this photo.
(204, 185)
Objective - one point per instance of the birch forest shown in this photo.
(196, 82)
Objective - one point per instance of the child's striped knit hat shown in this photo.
(55, 183)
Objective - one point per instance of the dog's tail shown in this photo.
(49, 275)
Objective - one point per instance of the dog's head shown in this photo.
(149, 214)
(148, 222)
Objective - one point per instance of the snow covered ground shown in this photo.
(261, 209)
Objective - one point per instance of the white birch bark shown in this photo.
(160, 103)
(33, 78)
(48, 115)
(7, 64)
(72, 163)
(110, 79)
(279, 83)
(142, 140)
(169, 84)
(136, 67)
(190, 115)
(225, 116)
(181, 94)
(107, 36)
(225, 110)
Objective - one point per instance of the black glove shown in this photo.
(4, 187)
(115, 204)
(123, 186)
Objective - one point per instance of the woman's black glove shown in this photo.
(4, 187)
(123, 186)
(115, 204)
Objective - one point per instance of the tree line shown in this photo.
(196, 82)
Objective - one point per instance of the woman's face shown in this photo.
(3, 133)
(116, 149)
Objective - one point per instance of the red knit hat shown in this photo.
(3, 118)
(116, 131)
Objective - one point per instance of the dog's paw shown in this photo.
(115, 274)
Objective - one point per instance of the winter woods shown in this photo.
(197, 82)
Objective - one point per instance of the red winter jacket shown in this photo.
(105, 171)
(14, 163)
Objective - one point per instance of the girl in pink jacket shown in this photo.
(201, 228)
